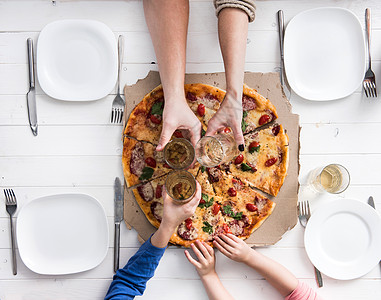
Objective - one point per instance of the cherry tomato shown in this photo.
(264, 119)
(251, 207)
(159, 191)
(216, 208)
(271, 161)
(232, 192)
(151, 162)
(201, 109)
(155, 119)
(238, 159)
(276, 130)
(202, 201)
(253, 146)
(178, 134)
(188, 223)
(226, 228)
(227, 130)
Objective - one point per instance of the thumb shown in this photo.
(238, 136)
(165, 136)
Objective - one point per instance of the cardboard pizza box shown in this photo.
(284, 216)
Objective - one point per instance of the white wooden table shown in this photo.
(78, 150)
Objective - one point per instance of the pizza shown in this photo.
(236, 195)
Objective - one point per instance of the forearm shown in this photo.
(232, 32)
(162, 236)
(167, 22)
(214, 288)
(276, 274)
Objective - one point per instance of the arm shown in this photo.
(232, 30)
(206, 271)
(131, 280)
(277, 275)
(167, 21)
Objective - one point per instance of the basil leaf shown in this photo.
(254, 149)
(207, 203)
(244, 115)
(202, 169)
(245, 167)
(147, 173)
(157, 108)
(203, 132)
(205, 197)
(237, 216)
(207, 228)
(229, 212)
(243, 125)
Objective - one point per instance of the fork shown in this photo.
(304, 216)
(118, 103)
(369, 82)
(11, 206)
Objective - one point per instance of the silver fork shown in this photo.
(304, 215)
(118, 103)
(11, 206)
(369, 82)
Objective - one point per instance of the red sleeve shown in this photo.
(303, 292)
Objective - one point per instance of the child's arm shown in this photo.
(277, 275)
(206, 271)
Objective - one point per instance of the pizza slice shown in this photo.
(141, 162)
(257, 110)
(264, 162)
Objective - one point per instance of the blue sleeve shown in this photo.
(131, 280)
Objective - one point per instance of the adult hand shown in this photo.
(206, 259)
(174, 214)
(178, 115)
(233, 247)
(229, 115)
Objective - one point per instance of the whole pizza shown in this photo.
(234, 195)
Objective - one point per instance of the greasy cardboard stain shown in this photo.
(284, 216)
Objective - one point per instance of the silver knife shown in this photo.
(286, 89)
(371, 203)
(118, 217)
(31, 95)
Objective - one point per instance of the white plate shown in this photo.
(324, 53)
(77, 60)
(62, 234)
(343, 239)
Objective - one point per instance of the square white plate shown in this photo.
(77, 60)
(324, 53)
(62, 234)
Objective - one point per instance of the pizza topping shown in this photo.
(260, 203)
(251, 207)
(147, 173)
(202, 168)
(271, 161)
(225, 167)
(227, 130)
(203, 132)
(248, 103)
(276, 130)
(226, 228)
(155, 119)
(207, 227)
(188, 223)
(243, 122)
(165, 165)
(159, 191)
(146, 191)
(244, 222)
(187, 234)
(201, 109)
(254, 147)
(157, 210)
(158, 156)
(214, 174)
(237, 184)
(191, 97)
(137, 159)
(264, 119)
(157, 108)
(238, 159)
(227, 210)
(205, 202)
(178, 134)
(235, 227)
(216, 208)
(151, 162)
(232, 192)
(248, 167)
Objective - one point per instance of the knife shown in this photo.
(286, 90)
(31, 95)
(118, 217)
(371, 203)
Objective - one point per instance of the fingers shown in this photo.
(196, 198)
(228, 240)
(221, 249)
(165, 136)
(195, 133)
(209, 248)
(238, 136)
(223, 244)
(202, 248)
(199, 255)
(192, 260)
(213, 127)
(233, 237)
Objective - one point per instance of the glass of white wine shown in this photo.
(214, 150)
(333, 179)
(180, 186)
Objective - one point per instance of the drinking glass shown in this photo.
(180, 186)
(179, 153)
(333, 179)
(214, 150)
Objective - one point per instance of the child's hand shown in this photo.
(205, 256)
(233, 247)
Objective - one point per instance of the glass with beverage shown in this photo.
(333, 179)
(179, 153)
(180, 185)
(214, 150)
